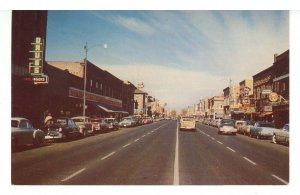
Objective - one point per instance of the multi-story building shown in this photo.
(281, 88)
(106, 95)
(263, 82)
(216, 107)
(140, 101)
(246, 99)
(28, 43)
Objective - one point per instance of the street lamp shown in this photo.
(85, 65)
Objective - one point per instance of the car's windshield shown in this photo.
(60, 122)
(267, 125)
(78, 120)
(187, 119)
(227, 122)
(14, 123)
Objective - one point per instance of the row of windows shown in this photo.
(278, 87)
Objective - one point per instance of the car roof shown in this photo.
(18, 118)
(75, 117)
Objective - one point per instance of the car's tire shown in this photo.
(85, 133)
(38, 141)
(274, 139)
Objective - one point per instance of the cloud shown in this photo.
(134, 24)
(178, 88)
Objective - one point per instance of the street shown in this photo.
(154, 154)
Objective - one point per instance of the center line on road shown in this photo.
(278, 178)
(212, 138)
(105, 157)
(137, 140)
(230, 149)
(73, 175)
(143, 135)
(219, 142)
(176, 162)
(126, 145)
(247, 159)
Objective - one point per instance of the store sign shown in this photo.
(36, 63)
(273, 97)
(262, 81)
(266, 91)
(268, 108)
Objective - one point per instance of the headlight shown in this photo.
(60, 129)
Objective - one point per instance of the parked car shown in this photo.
(227, 127)
(63, 128)
(262, 129)
(113, 124)
(282, 135)
(187, 123)
(245, 129)
(238, 124)
(85, 125)
(128, 122)
(23, 133)
(96, 124)
(103, 125)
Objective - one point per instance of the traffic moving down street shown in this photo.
(155, 154)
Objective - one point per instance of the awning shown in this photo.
(106, 109)
(263, 114)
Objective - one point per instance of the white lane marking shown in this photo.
(278, 178)
(212, 138)
(176, 162)
(126, 145)
(207, 135)
(110, 154)
(137, 140)
(152, 131)
(219, 142)
(149, 133)
(230, 149)
(144, 135)
(247, 159)
(73, 175)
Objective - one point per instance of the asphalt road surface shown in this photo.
(154, 154)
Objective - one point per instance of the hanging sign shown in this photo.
(36, 63)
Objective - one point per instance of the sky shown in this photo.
(180, 56)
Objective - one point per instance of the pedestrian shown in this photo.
(48, 121)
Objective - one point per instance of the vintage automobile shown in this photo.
(96, 124)
(113, 124)
(262, 129)
(245, 129)
(128, 122)
(63, 128)
(23, 133)
(85, 125)
(282, 135)
(238, 124)
(227, 127)
(187, 123)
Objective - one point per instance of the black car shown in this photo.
(63, 128)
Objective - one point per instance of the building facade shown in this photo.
(281, 87)
(27, 26)
(263, 82)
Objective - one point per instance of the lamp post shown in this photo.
(84, 82)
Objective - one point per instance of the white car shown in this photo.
(282, 135)
(187, 123)
(85, 125)
(23, 133)
(227, 127)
